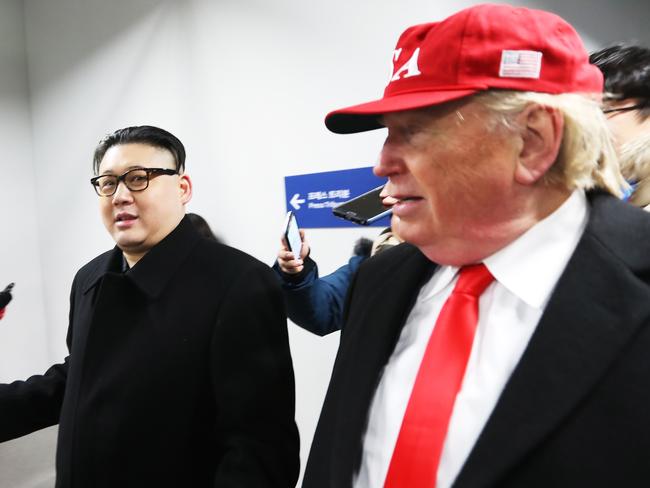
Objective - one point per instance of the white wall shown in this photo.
(604, 21)
(23, 332)
(244, 83)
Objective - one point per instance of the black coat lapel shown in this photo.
(383, 295)
(594, 311)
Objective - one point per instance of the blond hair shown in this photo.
(587, 158)
(635, 158)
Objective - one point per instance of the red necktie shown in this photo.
(424, 427)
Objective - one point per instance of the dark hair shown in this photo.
(362, 247)
(627, 73)
(142, 134)
(202, 226)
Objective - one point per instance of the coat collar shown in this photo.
(583, 330)
(152, 273)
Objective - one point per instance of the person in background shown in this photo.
(179, 372)
(5, 298)
(626, 103)
(203, 227)
(316, 303)
(506, 343)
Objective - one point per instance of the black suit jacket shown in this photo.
(179, 374)
(576, 410)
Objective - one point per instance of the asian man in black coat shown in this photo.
(179, 372)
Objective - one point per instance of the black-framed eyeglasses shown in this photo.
(136, 179)
(629, 108)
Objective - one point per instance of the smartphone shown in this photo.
(292, 235)
(364, 209)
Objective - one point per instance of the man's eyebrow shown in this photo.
(129, 168)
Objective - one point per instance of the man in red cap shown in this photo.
(506, 344)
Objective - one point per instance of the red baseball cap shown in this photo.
(482, 47)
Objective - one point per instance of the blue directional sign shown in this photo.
(312, 196)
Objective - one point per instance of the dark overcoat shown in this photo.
(179, 374)
(576, 410)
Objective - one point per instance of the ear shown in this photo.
(185, 188)
(542, 129)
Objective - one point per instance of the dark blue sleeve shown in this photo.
(316, 304)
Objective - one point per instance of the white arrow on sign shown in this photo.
(296, 201)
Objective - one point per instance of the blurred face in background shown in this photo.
(626, 125)
(631, 133)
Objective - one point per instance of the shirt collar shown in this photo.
(530, 266)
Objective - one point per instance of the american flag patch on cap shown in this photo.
(520, 64)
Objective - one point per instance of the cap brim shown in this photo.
(364, 117)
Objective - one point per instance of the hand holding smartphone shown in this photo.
(292, 235)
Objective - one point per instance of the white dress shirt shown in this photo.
(526, 272)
